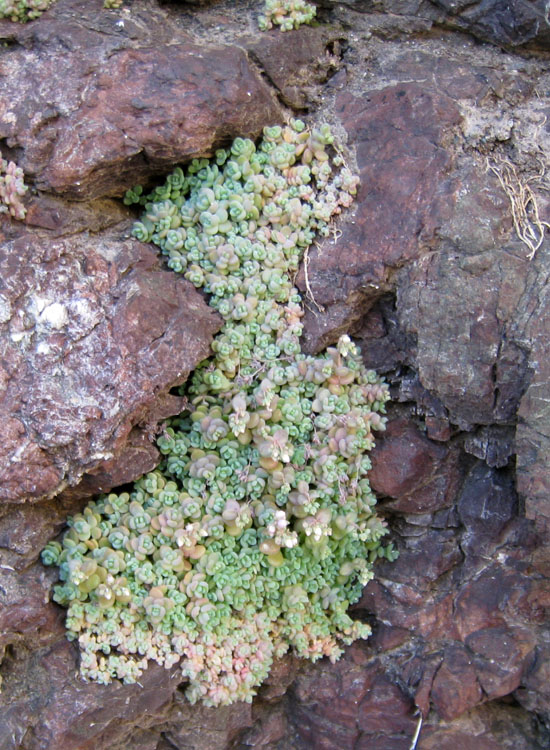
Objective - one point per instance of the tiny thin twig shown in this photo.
(416, 733)
(308, 288)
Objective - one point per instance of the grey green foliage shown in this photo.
(28, 10)
(12, 189)
(23, 10)
(258, 528)
(286, 14)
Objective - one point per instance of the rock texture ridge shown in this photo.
(444, 108)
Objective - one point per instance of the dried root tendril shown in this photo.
(529, 227)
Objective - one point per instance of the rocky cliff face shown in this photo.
(440, 272)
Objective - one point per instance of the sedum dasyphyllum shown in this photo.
(12, 189)
(286, 14)
(27, 10)
(258, 528)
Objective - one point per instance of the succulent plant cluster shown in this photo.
(23, 10)
(286, 14)
(12, 189)
(28, 10)
(258, 528)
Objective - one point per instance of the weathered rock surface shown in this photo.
(94, 105)
(68, 712)
(312, 56)
(507, 24)
(430, 274)
(94, 335)
(511, 25)
(533, 433)
(398, 206)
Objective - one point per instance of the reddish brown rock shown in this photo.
(453, 307)
(110, 111)
(350, 703)
(402, 460)
(327, 701)
(202, 728)
(281, 675)
(420, 475)
(26, 619)
(386, 709)
(455, 75)
(297, 62)
(402, 199)
(438, 428)
(492, 726)
(93, 333)
(64, 711)
(63, 218)
(418, 674)
(387, 637)
(501, 657)
(26, 529)
(407, 608)
(269, 728)
(485, 601)
(455, 688)
(137, 456)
